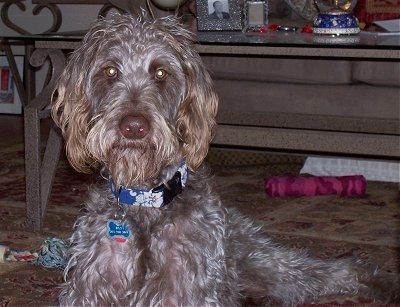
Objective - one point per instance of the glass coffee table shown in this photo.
(371, 138)
(316, 134)
(371, 45)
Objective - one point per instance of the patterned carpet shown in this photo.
(329, 226)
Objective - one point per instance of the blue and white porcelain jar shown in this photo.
(336, 20)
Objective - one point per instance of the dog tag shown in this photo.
(118, 230)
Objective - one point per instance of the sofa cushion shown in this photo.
(359, 100)
(377, 73)
(279, 70)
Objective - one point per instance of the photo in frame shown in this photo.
(10, 102)
(255, 15)
(219, 15)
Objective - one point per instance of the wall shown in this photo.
(75, 17)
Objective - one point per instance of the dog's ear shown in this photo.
(196, 116)
(71, 109)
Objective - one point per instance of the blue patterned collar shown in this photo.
(156, 197)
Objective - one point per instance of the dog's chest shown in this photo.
(177, 247)
(140, 232)
(154, 239)
(156, 248)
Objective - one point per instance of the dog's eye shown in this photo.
(160, 73)
(111, 72)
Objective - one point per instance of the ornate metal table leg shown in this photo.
(40, 171)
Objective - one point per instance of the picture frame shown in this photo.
(219, 15)
(255, 15)
(10, 101)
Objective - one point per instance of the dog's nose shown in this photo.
(134, 127)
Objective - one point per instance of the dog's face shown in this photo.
(136, 98)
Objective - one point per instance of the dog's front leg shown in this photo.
(186, 262)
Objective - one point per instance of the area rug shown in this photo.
(328, 226)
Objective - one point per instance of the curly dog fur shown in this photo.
(136, 101)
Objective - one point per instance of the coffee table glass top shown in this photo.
(298, 39)
(364, 40)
